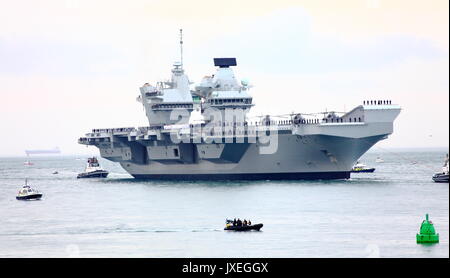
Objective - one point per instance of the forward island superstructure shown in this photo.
(226, 144)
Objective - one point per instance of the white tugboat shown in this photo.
(442, 176)
(93, 170)
(28, 193)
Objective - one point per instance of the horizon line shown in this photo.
(373, 149)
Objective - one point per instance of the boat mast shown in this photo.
(181, 46)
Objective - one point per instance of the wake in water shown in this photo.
(107, 230)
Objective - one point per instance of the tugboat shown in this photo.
(93, 170)
(442, 176)
(28, 193)
(362, 168)
(427, 232)
(240, 226)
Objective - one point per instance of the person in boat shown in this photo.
(244, 223)
(234, 222)
(249, 222)
(239, 222)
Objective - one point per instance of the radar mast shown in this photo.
(181, 47)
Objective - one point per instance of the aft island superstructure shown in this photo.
(226, 144)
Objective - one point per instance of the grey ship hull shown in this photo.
(303, 151)
(307, 158)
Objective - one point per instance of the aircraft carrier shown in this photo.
(226, 144)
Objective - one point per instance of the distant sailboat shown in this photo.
(55, 150)
(28, 162)
(379, 160)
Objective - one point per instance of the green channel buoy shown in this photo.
(427, 232)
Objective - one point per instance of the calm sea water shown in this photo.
(370, 215)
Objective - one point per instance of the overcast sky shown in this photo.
(69, 66)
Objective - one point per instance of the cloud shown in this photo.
(34, 56)
(68, 66)
(283, 41)
(359, 20)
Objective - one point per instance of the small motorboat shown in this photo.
(379, 160)
(362, 168)
(28, 163)
(55, 173)
(239, 226)
(93, 170)
(28, 193)
(442, 176)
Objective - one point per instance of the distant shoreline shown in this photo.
(376, 149)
